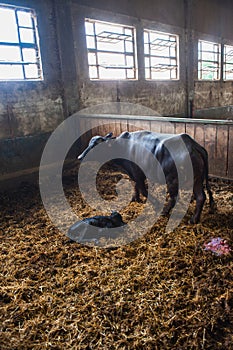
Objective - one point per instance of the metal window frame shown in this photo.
(112, 37)
(227, 64)
(209, 66)
(159, 44)
(22, 45)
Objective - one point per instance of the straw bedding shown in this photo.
(161, 291)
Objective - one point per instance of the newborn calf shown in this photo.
(92, 229)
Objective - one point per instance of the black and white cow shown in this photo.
(168, 150)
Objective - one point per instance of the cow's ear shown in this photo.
(108, 136)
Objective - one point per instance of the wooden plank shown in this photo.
(230, 154)
(131, 126)
(210, 146)
(190, 129)
(155, 126)
(142, 124)
(84, 131)
(221, 151)
(106, 127)
(180, 128)
(84, 125)
(200, 134)
(168, 127)
(117, 127)
(94, 126)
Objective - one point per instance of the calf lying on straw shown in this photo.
(92, 229)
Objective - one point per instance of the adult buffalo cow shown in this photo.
(168, 150)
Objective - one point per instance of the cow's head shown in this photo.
(95, 140)
(117, 219)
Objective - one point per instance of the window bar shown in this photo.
(221, 61)
(134, 58)
(170, 71)
(96, 56)
(115, 52)
(36, 41)
(200, 60)
(20, 44)
(149, 43)
(125, 59)
(176, 57)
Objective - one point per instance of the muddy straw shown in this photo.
(162, 291)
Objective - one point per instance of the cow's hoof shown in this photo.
(166, 211)
(212, 208)
(137, 200)
(193, 220)
(69, 241)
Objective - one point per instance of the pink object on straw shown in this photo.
(218, 246)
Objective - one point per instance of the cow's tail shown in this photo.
(204, 155)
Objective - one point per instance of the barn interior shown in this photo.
(162, 290)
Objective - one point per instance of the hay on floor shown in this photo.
(161, 291)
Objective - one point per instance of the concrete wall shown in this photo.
(192, 20)
(30, 111)
(210, 20)
(164, 97)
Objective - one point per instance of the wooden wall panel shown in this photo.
(141, 124)
(155, 126)
(221, 151)
(84, 124)
(190, 129)
(121, 125)
(167, 128)
(200, 134)
(85, 131)
(210, 146)
(230, 154)
(180, 128)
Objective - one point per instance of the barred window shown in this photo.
(208, 60)
(161, 55)
(111, 50)
(19, 44)
(228, 62)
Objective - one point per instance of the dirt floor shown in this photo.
(160, 291)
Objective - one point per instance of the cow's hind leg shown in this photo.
(200, 200)
(212, 204)
(172, 189)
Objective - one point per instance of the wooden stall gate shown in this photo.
(215, 135)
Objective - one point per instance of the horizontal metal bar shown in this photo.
(119, 36)
(154, 118)
(17, 63)
(205, 61)
(114, 67)
(23, 45)
(115, 52)
(166, 57)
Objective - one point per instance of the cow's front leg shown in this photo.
(136, 195)
(139, 188)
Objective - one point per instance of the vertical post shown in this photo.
(189, 61)
(140, 52)
(221, 62)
